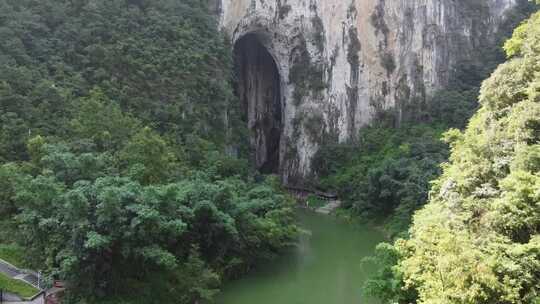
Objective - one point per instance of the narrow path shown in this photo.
(28, 276)
(11, 271)
(21, 275)
(38, 300)
(8, 269)
(10, 297)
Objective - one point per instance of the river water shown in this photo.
(326, 267)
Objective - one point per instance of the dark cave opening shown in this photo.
(259, 89)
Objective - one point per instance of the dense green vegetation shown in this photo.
(387, 172)
(12, 254)
(478, 238)
(385, 175)
(115, 115)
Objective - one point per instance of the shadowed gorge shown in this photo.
(258, 88)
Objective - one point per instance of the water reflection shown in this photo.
(325, 267)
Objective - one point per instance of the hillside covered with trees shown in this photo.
(115, 118)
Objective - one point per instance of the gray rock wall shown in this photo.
(342, 61)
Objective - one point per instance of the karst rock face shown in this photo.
(340, 62)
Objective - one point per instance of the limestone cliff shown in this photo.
(341, 61)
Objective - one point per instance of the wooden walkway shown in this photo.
(331, 198)
(303, 193)
(330, 207)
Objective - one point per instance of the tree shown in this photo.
(477, 240)
(148, 158)
(101, 120)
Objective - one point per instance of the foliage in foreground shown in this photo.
(102, 231)
(478, 238)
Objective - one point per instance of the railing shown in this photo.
(306, 192)
(6, 297)
(28, 276)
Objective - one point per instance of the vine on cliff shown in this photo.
(307, 76)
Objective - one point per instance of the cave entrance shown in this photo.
(259, 89)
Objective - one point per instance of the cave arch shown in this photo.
(259, 89)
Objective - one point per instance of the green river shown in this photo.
(324, 269)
